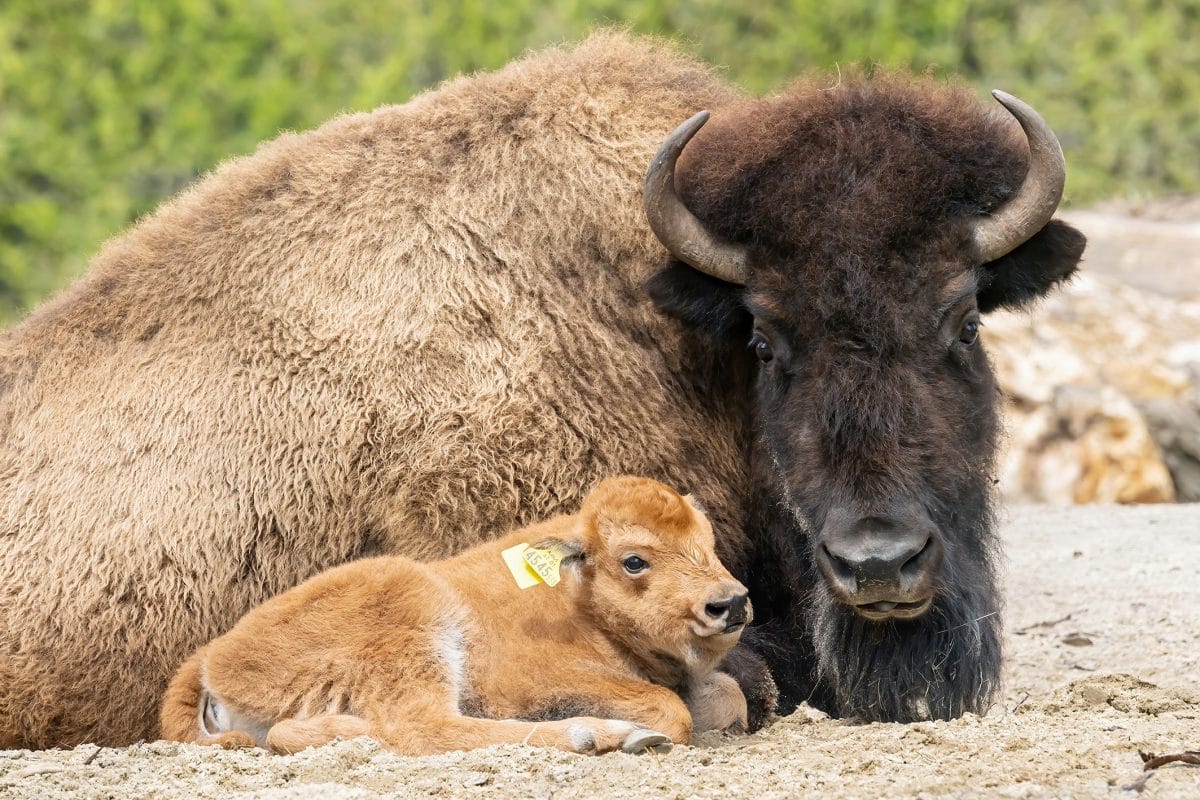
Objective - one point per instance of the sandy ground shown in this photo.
(1103, 660)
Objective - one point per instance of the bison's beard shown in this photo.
(940, 666)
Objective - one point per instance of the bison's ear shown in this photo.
(708, 304)
(1033, 269)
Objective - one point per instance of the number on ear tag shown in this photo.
(545, 563)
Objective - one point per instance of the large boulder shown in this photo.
(1102, 383)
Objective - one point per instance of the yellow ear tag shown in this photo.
(545, 563)
(521, 571)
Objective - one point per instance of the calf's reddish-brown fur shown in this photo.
(399, 650)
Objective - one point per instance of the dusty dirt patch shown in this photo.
(1103, 660)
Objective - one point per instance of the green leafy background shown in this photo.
(108, 107)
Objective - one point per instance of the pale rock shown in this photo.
(1079, 373)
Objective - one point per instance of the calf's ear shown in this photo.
(570, 549)
(710, 305)
(694, 503)
(1033, 269)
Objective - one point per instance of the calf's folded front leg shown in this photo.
(716, 703)
(428, 734)
(648, 704)
(752, 674)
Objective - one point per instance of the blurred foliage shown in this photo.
(108, 107)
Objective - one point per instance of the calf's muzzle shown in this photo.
(732, 609)
(884, 565)
(726, 609)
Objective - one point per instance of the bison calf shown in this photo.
(454, 655)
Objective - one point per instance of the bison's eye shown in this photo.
(761, 347)
(635, 564)
(969, 332)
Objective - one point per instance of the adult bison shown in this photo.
(412, 329)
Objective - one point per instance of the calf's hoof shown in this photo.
(597, 736)
(644, 740)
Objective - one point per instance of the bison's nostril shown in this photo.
(715, 610)
(842, 570)
(913, 568)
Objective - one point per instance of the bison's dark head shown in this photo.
(852, 238)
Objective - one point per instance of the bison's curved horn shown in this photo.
(676, 227)
(1027, 211)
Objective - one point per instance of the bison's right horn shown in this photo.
(676, 227)
(1027, 211)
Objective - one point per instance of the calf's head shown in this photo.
(844, 243)
(648, 575)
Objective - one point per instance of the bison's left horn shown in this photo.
(676, 227)
(1027, 211)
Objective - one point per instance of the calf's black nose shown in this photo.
(732, 608)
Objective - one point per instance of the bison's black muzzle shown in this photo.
(884, 565)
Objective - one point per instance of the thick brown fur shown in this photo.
(410, 330)
(395, 649)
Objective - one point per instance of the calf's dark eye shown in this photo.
(969, 332)
(761, 347)
(634, 564)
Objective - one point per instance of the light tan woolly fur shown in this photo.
(403, 332)
(396, 649)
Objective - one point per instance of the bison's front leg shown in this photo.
(750, 671)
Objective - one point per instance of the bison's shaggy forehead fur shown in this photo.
(832, 183)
